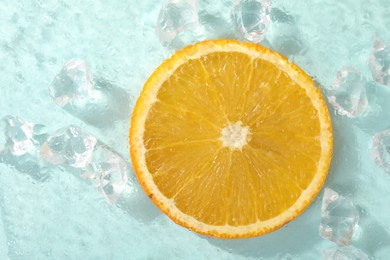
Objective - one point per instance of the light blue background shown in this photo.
(65, 218)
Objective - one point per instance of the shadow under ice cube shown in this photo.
(339, 218)
(344, 253)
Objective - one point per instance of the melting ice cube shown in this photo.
(381, 150)
(348, 94)
(17, 135)
(96, 102)
(344, 253)
(251, 19)
(379, 62)
(19, 145)
(339, 218)
(108, 172)
(178, 23)
(71, 146)
(73, 84)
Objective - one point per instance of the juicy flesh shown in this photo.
(217, 184)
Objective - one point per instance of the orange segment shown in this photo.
(195, 93)
(230, 140)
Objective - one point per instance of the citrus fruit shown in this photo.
(230, 139)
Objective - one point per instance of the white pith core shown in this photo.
(235, 136)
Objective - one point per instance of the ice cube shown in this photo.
(287, 39)
(178, 23)
(95, 101)
(70, 146)
(19, 146)
(73, 85)
(339, 218)
(381, 150)
(379, 62)
(108, 172)
(251, 19)
(348, 93)
(344, 253)
(17, 135)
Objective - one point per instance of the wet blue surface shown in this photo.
(63, 217)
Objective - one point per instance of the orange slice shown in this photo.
(230, 139)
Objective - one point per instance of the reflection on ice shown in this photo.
(379, 62)
(381, 150)
(95, 101)
(108, 172)
(348, 94)
(344, 253)
(178, 23)
(19, 146)
(71, 146)
(251, 19)
(17, 135)
(73, 85)
(339, 218)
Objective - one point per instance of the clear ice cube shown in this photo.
(348, 93)
(339, 218)
(17, 135)
(77, 92)
(251, 19)
(381, 150)
(344, 253)
(73, 85)
(70, 146)
(379, 62)
(19, 146)
(108, 172)
(178, 23)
